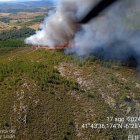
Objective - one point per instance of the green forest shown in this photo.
(13, 39)
(16, 34)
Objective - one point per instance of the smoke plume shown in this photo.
(112, 35)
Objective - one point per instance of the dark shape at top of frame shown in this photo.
(97, 9)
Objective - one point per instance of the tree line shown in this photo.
(16, 33)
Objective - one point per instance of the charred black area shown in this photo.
(117, 51)
(100, 7)
(131, 62)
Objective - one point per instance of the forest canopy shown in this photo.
(16, 33)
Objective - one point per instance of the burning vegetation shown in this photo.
(59, 47)
(107, 36)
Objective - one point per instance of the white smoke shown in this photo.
(58, 28)
(114, 34)
(61, 26)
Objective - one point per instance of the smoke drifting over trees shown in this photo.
(114, 34)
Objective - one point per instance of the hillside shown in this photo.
(23, 14)
(49, 95)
